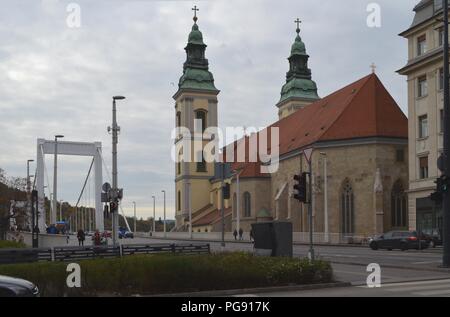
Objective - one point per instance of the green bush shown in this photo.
(4, 244)
(163, 274)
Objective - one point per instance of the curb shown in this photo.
(255, 290)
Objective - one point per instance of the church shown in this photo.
(358, 136)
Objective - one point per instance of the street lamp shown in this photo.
(165, 234)
(134, 203)
(154, 214)
(29, 188)
(115, 132)
(55, 181)
(325, 195)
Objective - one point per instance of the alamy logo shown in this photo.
(374, 278)
(374, 17)
(74, 18)
(74, 278)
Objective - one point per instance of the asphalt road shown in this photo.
(430, 288)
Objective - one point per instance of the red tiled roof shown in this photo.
(211, 218)
(362, 109)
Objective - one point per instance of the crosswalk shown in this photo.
(432, 288)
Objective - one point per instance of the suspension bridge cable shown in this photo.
(84, 186)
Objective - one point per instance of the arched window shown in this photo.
(347, 208)
(247, 205)
(200, 116)
(179, 200)
(178, 119)
(398, 206)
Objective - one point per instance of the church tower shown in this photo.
(299, 90)
(195, 110)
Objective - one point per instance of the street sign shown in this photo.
(106, 187)
(308, 154)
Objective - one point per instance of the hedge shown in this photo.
(165, 274)
(5, 244)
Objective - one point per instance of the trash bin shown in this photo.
(273, 238)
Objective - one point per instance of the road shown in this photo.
(431, 288)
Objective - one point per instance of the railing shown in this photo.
(11, 256)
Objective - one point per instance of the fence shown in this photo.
(11, 256)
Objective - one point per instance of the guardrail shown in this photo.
(12, 256)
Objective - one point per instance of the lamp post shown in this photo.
(325, 195)
(55, 181)
(60, 210)
(165, 234)
(29, 187)
(134, 204)
(154, 214)
(115, 189)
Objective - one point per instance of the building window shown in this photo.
(179, 168)
(179, 201)
(398, 206)
(423, 127)
(201, 166)
(400, 155)
(247, 205)
(347, 209)
(421, 45)
(200, 118)
(441, 79)
(441, 37)
(178, 119)
(423, 167)
(422, 88)
(441, 119)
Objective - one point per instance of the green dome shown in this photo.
(299, 88)
(196, 37)
(298, 48)
(197, 79)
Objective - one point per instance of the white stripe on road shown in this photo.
(418, 288)
(433, 293)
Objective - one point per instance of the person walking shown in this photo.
(251, 235)
(235, 233)
(97, 238)
(81, 237)
(241, 232)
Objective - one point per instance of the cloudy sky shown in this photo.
(59, 80)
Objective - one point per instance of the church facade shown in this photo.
(359, 141)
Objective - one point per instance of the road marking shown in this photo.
(430, 282)
(426, 262)
(418, 288)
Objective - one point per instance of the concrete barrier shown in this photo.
(45, 240)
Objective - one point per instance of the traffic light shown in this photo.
(300, 187)
(226, 191)
(442, 186)
(113, 207)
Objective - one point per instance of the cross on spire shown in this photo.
(195, 9)
(373, 67)
(298, 25)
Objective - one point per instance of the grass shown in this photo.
(4, 244)
(164, 274)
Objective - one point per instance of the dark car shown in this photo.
(125, 234)
(15, 287)
(433, 237)
(403, 240)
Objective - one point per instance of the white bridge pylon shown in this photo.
(76, 149)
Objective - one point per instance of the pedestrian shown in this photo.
(97, 238)
(81, 237)
(241, 232)
(251, 235)
(235, 234)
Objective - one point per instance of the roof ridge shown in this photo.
(365, 81)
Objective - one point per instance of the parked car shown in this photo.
(14, 287)
(432, 236)
(125, 234)
(403, 240)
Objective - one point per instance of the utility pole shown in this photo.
(55, 182)
(165, 234)
(446, 205)
(29, 203)
(115, 189)
(222, 203)
(325, 196)
(134, 203)
(154, 214)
